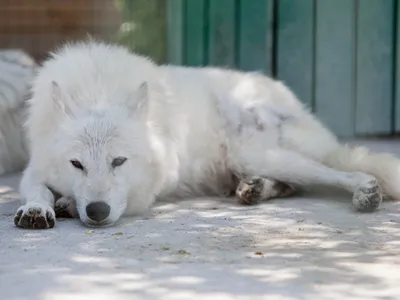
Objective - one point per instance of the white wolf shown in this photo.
(17, 70)
(111, 132)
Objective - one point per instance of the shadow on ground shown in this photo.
(313, 247)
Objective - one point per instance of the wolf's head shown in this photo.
(105, 156)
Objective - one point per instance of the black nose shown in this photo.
(97, 211)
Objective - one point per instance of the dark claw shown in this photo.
(26, 221)
(17, 217)
(39, 223)
(50, 220)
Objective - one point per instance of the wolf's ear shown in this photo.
(138, 102)
(57, 96)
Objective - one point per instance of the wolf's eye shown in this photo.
(118, 161)
(76, 164)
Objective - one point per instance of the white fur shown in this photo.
(17, 70)
(184, 132)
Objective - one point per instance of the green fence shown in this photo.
(222, 32)
(339, 56)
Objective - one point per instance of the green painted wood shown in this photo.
(175, 31)
(335, 64)
(295, 47)
(221, 35)
(195, 33)
(144, 27)
(397, 72)
(255, 35)
(374, 66)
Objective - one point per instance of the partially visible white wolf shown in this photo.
(110, 131)
(17, 70)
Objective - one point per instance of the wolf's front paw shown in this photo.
(65, 207)
(35, 216)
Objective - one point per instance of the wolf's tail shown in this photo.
(385, 167)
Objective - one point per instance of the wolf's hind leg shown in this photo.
(253, 190)
(293, 168)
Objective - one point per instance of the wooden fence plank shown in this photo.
(255, 35)
(295, 48)
(175, 31)
(397, 71)
(335, 64)
(195, 33)
(221, 44)
(374, 67)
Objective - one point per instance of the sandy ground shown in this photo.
(311, 247)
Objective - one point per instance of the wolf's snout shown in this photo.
(98, 211)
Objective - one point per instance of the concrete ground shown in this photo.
(312, 247)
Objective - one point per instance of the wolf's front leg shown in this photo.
(38, 209)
